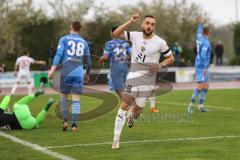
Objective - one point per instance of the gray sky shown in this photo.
(220, 11)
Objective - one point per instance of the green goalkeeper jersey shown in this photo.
(23, 114)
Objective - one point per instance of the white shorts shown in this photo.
(139, 85)
(139, 92)
(141, 101)
(24, 77)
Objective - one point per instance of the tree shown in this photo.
(175, 22)
(26, 28)
(236, 42)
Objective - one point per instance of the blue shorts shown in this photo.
(118, 82)
(200, 78)
(71, 85)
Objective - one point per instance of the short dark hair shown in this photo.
(76, 26)
(114, 28)
(149, 16)
(27, 52)
(206, 29)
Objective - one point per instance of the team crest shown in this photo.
(142, 48)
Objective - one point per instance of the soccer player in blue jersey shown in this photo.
(118, 52)
(202, 63)
(71, 50)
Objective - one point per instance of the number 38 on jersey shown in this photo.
(76, 48)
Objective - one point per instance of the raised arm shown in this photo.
(200, 27)
(119, 32)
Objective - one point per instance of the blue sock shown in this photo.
(202, 96)
(194, 95)
(63, 106)
(75, 112)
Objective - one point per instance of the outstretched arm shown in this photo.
(200, 27)
(40, 62)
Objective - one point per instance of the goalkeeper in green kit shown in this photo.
(21, 117)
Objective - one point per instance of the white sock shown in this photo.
(119, 123)
(200, 106)
(152, 101)
(14, 88)
(191, 104)
(29, 88)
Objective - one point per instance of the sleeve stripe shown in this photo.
(166, 51)
(128, 36)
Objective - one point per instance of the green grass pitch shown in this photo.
(222, 120)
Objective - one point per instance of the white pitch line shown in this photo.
(145, 141)
(35, 147)
(185, 104)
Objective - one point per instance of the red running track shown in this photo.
(176, 86)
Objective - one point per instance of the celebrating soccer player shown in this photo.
(70, 52)
(201, 63)
(146, 50)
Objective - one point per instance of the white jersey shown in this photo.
(140, 81)
(24, 63)
(146, 51)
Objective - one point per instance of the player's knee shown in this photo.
(206, 86)
(75, 97)
(137, 111)
(124, 106)
(200, 86)
(64, 96)
(126, 99)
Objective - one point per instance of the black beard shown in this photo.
(147, 34)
